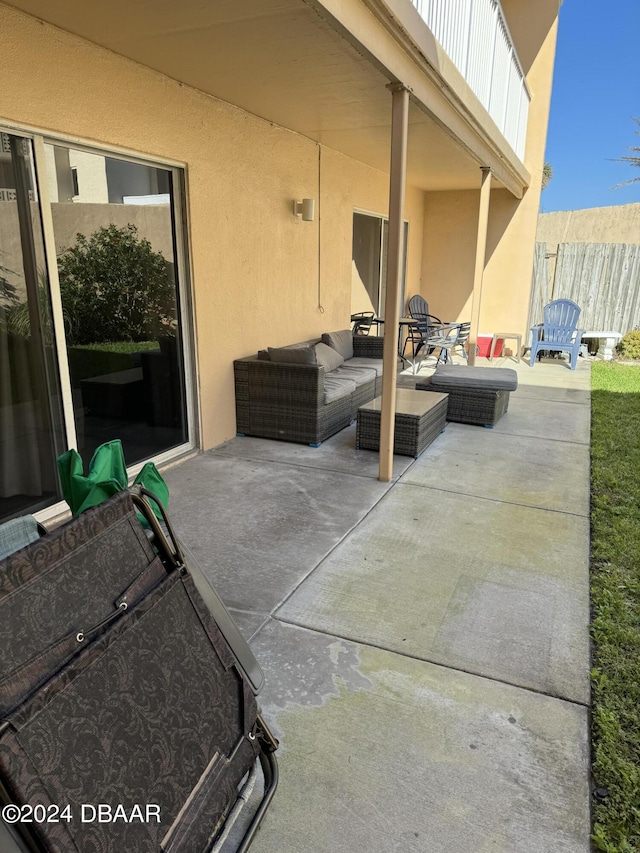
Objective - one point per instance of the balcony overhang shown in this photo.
(317, 67)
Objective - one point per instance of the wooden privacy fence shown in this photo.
(603, 278)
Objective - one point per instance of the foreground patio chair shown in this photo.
(558, 333)
(113, 643)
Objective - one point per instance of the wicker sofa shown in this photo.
(308, 391)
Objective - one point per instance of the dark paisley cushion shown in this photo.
(69, 580)
(137, 718)
(24, 679)
(42, 554)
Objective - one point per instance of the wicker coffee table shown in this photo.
(419, 419)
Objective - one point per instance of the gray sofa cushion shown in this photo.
(341, 342)
(293, 355)
(327, 357)
(359, 375)
(369, 363)
(336, 388)
(486, 378)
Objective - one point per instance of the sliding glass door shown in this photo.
(369, 268)
(115, 365)
(114, 231)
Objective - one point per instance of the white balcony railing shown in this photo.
(475, 36)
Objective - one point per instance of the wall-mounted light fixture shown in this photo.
(305, 208)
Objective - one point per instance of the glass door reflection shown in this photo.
(115, 240)
(31, 423)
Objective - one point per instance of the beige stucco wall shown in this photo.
(93, 181)
(450, 229)
(451, 217)
(260, 276)
(616, 224)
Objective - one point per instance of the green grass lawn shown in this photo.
(615, 596)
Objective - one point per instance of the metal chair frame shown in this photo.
(362, 322)
(429, 333)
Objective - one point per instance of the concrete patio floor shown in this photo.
(425, 641)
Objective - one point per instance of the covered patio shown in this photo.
(354, 106)
(425, 641)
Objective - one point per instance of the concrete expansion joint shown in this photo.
(220, 451)
(551, 400)
(367, 644)
(489, 499)
(330, 552)
(546, 438)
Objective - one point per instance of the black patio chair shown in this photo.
(362, 322)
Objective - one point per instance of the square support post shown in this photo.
(398, 171)
(481, 248)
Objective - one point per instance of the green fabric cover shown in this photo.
(106, 477)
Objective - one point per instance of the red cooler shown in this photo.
(484, 346)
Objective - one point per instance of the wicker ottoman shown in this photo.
(419, 419)
(477, 395)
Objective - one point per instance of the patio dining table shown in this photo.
(404, 324)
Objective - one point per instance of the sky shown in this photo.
(596, 94)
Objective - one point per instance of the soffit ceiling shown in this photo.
(276, 59)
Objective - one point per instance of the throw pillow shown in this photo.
(341, 342)
(293, 355)
(328, 357)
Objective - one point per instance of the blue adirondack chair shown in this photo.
(558, 332)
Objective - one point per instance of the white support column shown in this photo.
(399, 131)
(481, 248)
